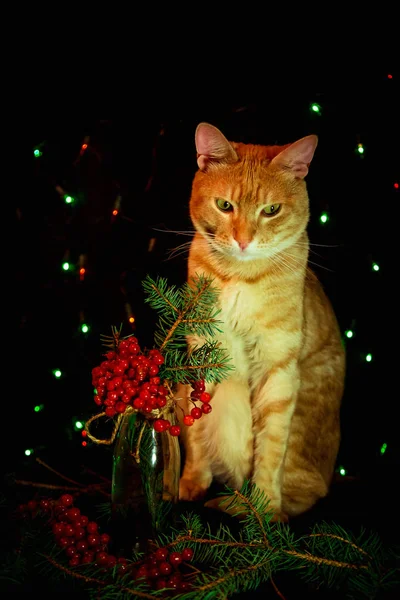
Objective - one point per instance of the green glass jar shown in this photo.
(145, 478)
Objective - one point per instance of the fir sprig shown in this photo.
(190, 310)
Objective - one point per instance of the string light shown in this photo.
(69, 199)
(84, 443)
(368, 357)
(66, 266)
(28, 452)
(390, 76)
(129, 313)
(396, 186)
(315, 108)
(324, 218)
(78, 425)
(57, 373)
(360, 149)
(349, 333)
(342, 471)
(84, 328)
(375, 267)
(37, 153)
(117, 206)
(38, 408)
(383, 448)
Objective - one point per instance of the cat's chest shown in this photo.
(240, 305)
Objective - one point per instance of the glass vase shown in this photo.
(145, 479)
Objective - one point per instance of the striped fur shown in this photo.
(275, 420)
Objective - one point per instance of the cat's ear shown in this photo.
(297, 157)
(212, 146)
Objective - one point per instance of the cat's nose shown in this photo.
(243, 245)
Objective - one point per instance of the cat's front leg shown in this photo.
(273, 409)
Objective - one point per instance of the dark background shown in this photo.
(148, 159)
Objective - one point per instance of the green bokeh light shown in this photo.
(324, 218)
(383, 448)
(57, 373)
(368, 357)
(349, 334)
(84, 328)
(314, 107)
(38, 407)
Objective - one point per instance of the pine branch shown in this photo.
(208, 362)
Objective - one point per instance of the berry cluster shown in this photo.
(162, 569)
(129, 378)
(198, 393)
(84, 544)
(80, 538)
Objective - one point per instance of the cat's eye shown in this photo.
(223, 205)
(271, 209)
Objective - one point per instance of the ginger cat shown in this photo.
(276, 418)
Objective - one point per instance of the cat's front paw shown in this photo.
(279, 517)
(191, 490)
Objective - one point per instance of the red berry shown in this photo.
(74, 561)
(32, 505)
(188, 420)
(120, 407)
(69, 530)
(105, 538)
(196, 395)
(87, 558)
(58, 528)
(175, 430)
(111, 561)
(81, 546)
(101, 558)
(83, 521)
(159, 425)
(205, 397)
(92, 527)
(199, 385)
(64, 542)
(187, 554)
(160, 584)
(70, 551)
(206, 408)
(154, 573)
(73, 514)
(138, 403)
(165, 568)
(142, 572)
(110, 411)
(93, 539)
(175, 558)
(80, 533)
(161, 554)
(196, 412)
(66, 500)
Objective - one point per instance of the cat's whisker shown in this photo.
(313, 263)
(178, 250)
(189, 233)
